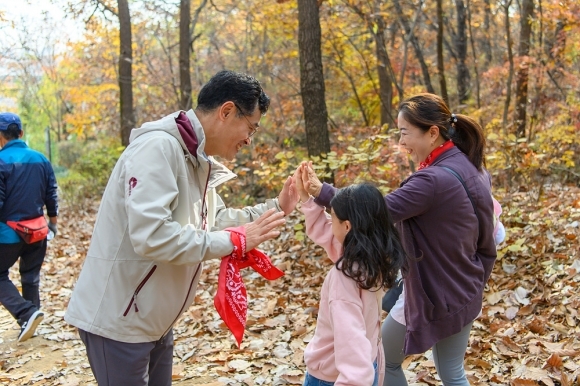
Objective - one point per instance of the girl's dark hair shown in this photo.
(373, 253)
(426, 110)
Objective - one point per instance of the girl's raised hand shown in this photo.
(309, 179)
(304, 196)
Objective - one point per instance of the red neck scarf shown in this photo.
(231, 301)
(435, 154)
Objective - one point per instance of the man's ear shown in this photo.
(21, 134)
(226, 110)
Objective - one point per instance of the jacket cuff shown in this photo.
(326, 194)
(273, 203)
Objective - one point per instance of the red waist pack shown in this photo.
(31, 231)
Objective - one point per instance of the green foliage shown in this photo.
(371, 159)
(551, 154)
(360, 162)
(90, 166)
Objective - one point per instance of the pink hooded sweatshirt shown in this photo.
(346, 342)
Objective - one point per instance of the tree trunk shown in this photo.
(555, 48)
(125, 72)
(506, 6)
(527, 12)
(486, 41)
(184, 53)
(385, 81)
(440, 63)
(377, 28)
(312, 78)
(416, 46)
(472, 41)
(463, 81)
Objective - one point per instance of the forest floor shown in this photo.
(528, 333)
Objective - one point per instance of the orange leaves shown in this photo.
(523, 382)
(554, 361)
(537, 326)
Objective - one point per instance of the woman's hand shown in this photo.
(309, 179)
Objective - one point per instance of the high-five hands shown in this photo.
(309, 179)
(304, 195)
(263, 228)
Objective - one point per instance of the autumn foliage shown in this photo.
(528, 333)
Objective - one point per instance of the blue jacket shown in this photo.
(27, 184)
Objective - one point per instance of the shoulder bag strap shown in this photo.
(464, 187)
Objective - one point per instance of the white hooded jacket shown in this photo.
(149, 241)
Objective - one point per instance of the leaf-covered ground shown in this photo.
(528, 333)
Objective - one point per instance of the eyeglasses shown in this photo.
(253, 129)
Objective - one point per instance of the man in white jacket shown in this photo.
(160, 217)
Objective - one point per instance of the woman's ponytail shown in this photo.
(468, 136)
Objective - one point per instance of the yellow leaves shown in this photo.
(517, 246)
(298, 232)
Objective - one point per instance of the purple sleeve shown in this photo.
(326, 194)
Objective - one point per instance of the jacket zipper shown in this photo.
(139, 287)
(204, 225)
(203, 203)
(184, 302)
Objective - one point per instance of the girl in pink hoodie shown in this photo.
(360, 238)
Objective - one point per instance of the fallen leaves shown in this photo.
(527, 334)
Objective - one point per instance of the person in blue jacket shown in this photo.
(27, 185)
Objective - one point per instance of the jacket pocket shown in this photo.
(133, 300)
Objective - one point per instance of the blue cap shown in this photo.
(7, 119)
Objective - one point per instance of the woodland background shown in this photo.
(335, 71)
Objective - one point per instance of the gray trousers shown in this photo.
(117, 363)
(448, 355)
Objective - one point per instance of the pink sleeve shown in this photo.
(496, 207)
(498, 228)
(352, 347)
(319, 229)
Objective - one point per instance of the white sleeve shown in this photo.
(152, 231)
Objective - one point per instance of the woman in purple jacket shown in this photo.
(444, 213)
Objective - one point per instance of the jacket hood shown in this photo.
(219, 172)
(168, 125)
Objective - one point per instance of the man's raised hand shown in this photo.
(264, 228)
(288, 197)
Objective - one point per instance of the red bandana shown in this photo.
(435, 154)
(231, 301)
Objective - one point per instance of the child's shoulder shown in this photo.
(340, 284)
